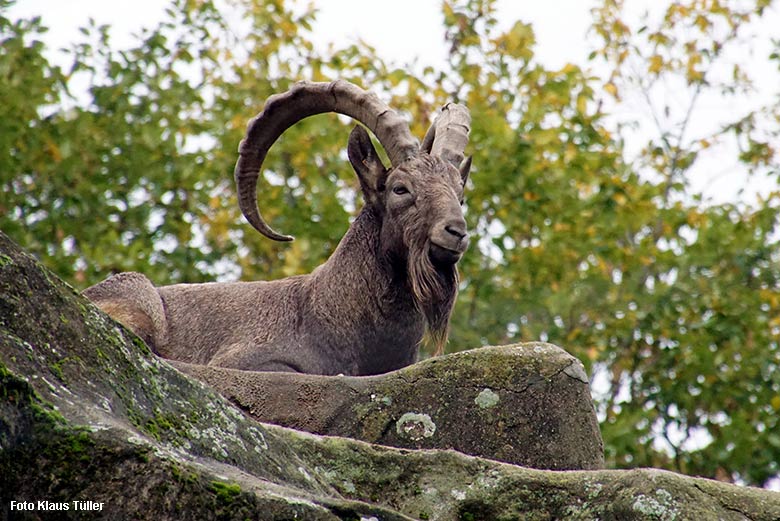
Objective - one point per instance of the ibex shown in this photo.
(365, 310)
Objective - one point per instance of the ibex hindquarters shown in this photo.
(132, 299)
(364, 311)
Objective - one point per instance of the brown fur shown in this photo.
(434, 290)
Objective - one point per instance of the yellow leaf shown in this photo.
(702, 23)
(54, 151)
(772, 298)
(582, 104)
(570, 153)
(775, 403)
(568, 69)
(611, 88)
(694, 218)
(449, 13)
(518, 41)
(656, 63)
(238, 122)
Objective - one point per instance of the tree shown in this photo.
(703, 365)
(670, 300)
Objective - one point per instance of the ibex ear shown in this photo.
(465, 168)
(368, 167)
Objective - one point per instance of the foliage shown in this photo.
(699, 330)
(672, 301)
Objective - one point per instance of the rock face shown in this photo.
(89, 418)
(527, 404)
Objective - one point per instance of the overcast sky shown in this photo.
(419, 22)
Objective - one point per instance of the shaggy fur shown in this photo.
(434, 291)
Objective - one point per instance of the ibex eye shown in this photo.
(400, 190)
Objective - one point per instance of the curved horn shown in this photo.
(304, 99)
(449, 134)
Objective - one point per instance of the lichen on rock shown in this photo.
(415, 426)
(88, 413)
(487, 399)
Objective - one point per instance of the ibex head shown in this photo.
(416, 202)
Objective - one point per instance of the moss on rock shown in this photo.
(527, 404)
(117, 426)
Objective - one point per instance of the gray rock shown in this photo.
(87, 413)
(527, 404)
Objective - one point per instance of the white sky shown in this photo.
(560, 38)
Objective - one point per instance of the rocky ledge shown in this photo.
(94, 426)
(527, 404)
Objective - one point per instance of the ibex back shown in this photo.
(365, 310)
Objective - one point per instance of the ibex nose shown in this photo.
(449, 240)
(456, 228)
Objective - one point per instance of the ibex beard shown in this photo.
(435, 290)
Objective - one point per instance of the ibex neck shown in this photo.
(362, 293)
(358, 263)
